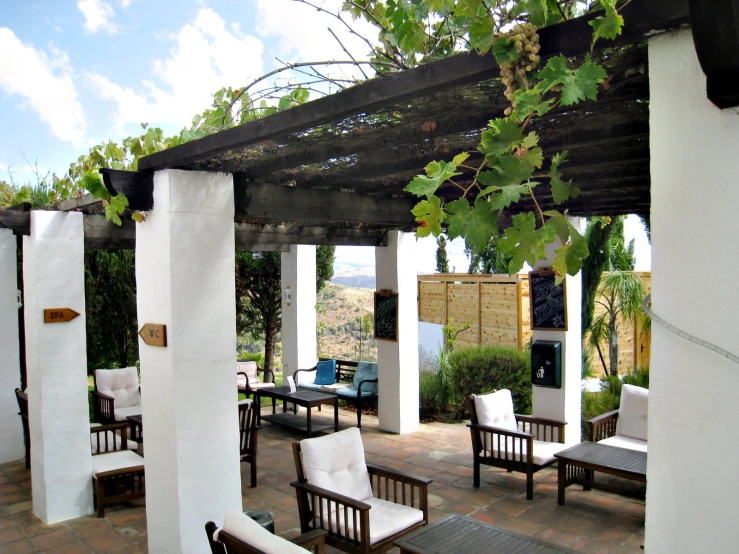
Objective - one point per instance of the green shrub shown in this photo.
(609, 399)
(481, 369)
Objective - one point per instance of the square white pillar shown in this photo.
(185, 280)
(398, 361)
(298, 281)
(11, 430)
(694, 392)
(565, 404)
(56, 361)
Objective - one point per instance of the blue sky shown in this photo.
(74, 73)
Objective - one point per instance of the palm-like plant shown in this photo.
(621, 294)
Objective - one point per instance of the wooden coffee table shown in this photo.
(469, 536)
(577, 465)
(302, 397)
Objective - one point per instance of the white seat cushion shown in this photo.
(245, 401)
(115, 460)
(121, 384)
(250, 368)
(110, 437)
(632, 414)
(386, 519)
(543, 451)
(496, 410)
(246, 529)
(336, 463)
(625, 442)
(122, 413)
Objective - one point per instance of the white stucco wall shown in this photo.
(298, 272)
(693, 444)
(11, 430)
(185, 280)
(564, 404)
(56, 361)
(398, 361)
(430, 340)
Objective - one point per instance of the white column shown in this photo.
(11, 430)
(298, 280)
(56, 361)
(694, 392)
(185, 280)
(398, 361)
(565, 404)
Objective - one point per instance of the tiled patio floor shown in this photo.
(592, 522)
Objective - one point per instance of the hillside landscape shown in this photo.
(339, 315)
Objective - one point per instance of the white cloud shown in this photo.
(97, 15)
(206, 56)
(124, 3)
(45, 83)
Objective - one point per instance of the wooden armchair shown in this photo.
(511, 441)
(241, 535)
(248, 435)
(603, 426)
(117, 394)
(364, 507)
(117, 472)
(22, 398)
(627, 426)
(248, 380)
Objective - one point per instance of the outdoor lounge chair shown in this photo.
(117, 473)
(627, 426)
(248, 435)
(511, 441)
(22, 398)
(247, 376)
(242, 535)
(117, 394)
(364, 507)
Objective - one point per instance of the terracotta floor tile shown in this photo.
(90, 528)
(18, 547)
(104, 542)
(52, 540)
(9, 534)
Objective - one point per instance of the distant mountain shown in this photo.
(361, 277)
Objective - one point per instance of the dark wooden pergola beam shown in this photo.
(643, 19)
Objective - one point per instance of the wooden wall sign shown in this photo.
(154, 334)
(548, 302)
(59, 315)
(386, 315)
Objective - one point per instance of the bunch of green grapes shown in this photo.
(526, 41)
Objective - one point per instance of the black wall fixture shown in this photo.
(715, 25)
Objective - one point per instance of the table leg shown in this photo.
(336, 414)
(561, 481)
(310, 429)
(589, 478)
(258, 400)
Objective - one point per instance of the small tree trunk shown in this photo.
(613, 345)
(270, 333)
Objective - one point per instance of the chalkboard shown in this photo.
(548, 302)
(386, 316)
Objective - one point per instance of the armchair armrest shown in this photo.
(484, 443)
(103, 407)
(295, 373)
(359, 388)
(543, 429)
(400, 487)
(603, 426)
(106, 442)
(246, 379)
(315, 538)
(264, 372)
(334, 496)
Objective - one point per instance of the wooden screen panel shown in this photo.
(499, 314)
(463, 307)
(431, 303)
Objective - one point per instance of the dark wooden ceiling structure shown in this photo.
(332, 171)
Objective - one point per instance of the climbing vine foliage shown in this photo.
(509, 165)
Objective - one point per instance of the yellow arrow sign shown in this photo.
(59, 315)
(154, 334)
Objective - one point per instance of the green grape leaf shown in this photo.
(574, 247)
(607, 26)
(504, 51)
(429, 214)
(502, 197)
(531, 140)
(460, 158)
(533, 157)
(528, 102)
(501, 137)
(94, 185)
(138, 217)
(112, 215)
(577, 85)
(482, 34)
(561, 190)
(537, 10)
(524, 242)
(437, 172)
(477, 225)
(507, 170)
(469, 8)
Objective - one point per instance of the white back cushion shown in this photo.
(246, 529)
(122, 384)
(250, 368)
(632, 415)
(336, 462)
(496, 410)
